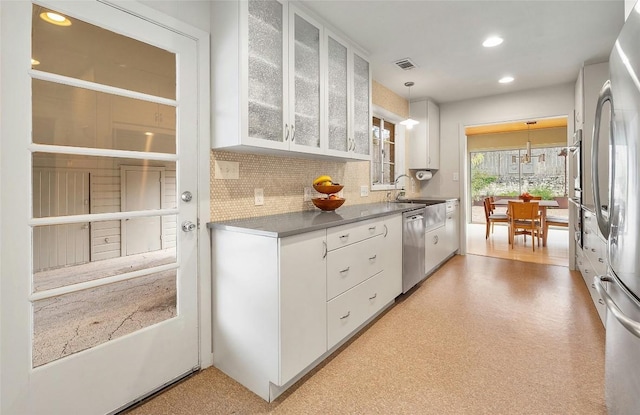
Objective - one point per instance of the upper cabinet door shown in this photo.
(361, 136)
(305, 99)
(338, 97)
(272, 75)
(266, 116)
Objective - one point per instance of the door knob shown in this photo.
(186, 196)
(188, 226)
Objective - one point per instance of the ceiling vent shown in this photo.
(405, 64)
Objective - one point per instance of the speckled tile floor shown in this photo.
(480, 336)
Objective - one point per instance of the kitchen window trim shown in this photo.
(400, 133)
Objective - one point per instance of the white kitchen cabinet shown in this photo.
(591, 259)
(423, 140)
(364, 273)
(269, 314)
(452, 227)
(393, 251)
(269, 81)
(436, 249)
(281, 305)
(348, 95)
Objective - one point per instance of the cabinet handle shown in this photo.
(386, 230)
(346, 315)
(435, 240)
(372, 228)
(374, 296)
(600, 301)
(586, 271)
(601, 260)
(156, 117)
(293, 132)
(342, 271)
(346, 235)
(324, 245)
(286, 132)
(593, 286)
(373, 257)
(593, 250)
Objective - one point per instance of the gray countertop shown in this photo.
(287, 224)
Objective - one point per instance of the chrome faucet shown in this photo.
(395, 185)
(395, 182)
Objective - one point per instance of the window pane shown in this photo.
(69, 116)
(66, 185)
(119, 61)
(74, 322)
(79, 252)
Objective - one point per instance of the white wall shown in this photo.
(552, 101)
(455, 116)
(194, 12)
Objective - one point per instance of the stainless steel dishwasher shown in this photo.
(412, 248)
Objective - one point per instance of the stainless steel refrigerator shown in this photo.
(618, 214)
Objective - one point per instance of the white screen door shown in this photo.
(104, 89)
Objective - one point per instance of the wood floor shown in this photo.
(497, 245)
(482, 335)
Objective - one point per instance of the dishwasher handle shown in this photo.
(414, 218)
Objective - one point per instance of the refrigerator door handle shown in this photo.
(628, 323)
(605, 95)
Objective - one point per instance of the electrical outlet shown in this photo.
(456, 176)
(364, 191)
(226, 170)
(259, 196)
(308, 194)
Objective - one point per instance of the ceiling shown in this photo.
(545, 42)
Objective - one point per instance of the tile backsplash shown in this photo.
(283, 180)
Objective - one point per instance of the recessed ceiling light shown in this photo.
(55, 18)
(34, 62)
(506, 79)
(492, 41)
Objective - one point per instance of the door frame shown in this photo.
(13, 217)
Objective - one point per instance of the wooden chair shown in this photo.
(554, 221)
(492, 218)
(524, 219)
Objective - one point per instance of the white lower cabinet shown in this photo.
(281, 305)
(269, 315)
(352, 308)
(436, 248)
(591, 260)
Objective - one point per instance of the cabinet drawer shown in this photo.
(345, 235)
(597, 301)
(348, 311)
(349, 266)
(595, 250)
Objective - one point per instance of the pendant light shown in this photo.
(409, 123)
(527, 157)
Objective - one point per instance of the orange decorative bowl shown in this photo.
(327, 190)
(327, 204)
(525, 198)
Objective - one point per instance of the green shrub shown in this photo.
(479, 182)
(543, 191)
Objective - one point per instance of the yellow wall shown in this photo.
(284, 178)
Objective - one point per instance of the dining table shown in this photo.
(542, 204)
